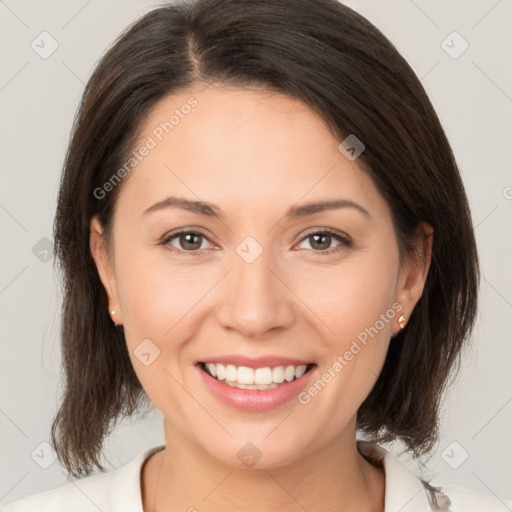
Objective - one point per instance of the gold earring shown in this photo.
(401, 322)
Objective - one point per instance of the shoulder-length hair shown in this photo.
(347, 71)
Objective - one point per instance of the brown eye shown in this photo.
(321, 241)
(187, 241)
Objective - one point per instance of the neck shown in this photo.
(334, 477)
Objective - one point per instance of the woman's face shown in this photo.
(258, 284)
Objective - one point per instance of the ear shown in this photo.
(413, 274)
(105, 268)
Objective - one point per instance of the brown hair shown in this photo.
(342, 67)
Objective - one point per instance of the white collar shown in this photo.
(404, 491)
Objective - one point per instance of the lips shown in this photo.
(275, 380)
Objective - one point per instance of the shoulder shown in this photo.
(460, 499)
(82, 495)
(113, 490)
(405, 492)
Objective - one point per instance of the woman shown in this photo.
(263, 232)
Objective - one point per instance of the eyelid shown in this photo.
(180, 231)
(331, 231)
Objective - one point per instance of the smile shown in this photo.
(243, 377)
(255, 389)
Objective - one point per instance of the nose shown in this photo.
(255, 299)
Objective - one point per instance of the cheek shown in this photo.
(156, 301)
(351, 298)
(353, 306)
(154, 293)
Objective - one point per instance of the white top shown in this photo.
(120, 491)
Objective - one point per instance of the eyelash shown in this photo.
(345, 241)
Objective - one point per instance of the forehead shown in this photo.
(239, 146)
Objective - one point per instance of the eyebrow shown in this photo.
(295, 212)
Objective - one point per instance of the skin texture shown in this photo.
(254, 154)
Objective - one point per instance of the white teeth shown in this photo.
(278, 374)
(263, 376)
(260, 387)
(221, 371)
(244, 377)
(231, 372)
(212, 368)
(289, 373)
(300, 371)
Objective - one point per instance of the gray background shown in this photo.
(38, 98)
